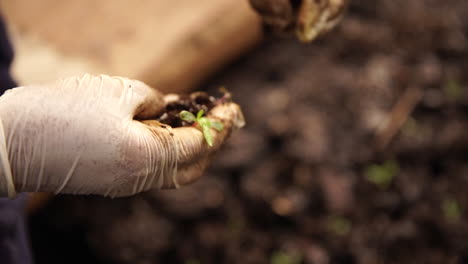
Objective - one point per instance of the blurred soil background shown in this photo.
(355, 151)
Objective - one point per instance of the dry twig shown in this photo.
(400, 113)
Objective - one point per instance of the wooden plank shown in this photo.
(172, 45)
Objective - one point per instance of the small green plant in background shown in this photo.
(280, 257)
(382, 175)
(451, 209)
(453, 89)
(411, 127)
(339, 225)
(192, 261)
(203, 123)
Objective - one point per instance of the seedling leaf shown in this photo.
(208, 136)
(452, 210)
(339, 225)
(281, 257)
(204, 124)
(200, 114)
(382, 175)
(192, 261)
(453, 89)
(217, 125)
(187, 116)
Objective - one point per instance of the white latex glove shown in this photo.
(81, 136)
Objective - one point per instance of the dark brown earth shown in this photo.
(316, 176)
(192, 103)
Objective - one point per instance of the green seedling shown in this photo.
(382, 175)
(192, 261)
(452, 210)
(203, 123)
(411, 127)
(453, 89)
(280, 257)
(339, 225)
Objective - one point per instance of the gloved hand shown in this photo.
(82, 136)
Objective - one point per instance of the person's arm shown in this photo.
(83, 136)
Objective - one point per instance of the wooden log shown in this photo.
(171, 45)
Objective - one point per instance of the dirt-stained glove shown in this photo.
(82, 136)
(308, 18)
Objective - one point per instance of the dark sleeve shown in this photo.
(14, 241)
(6, 57)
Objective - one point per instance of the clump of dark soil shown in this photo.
(305, 181)
(192, 103)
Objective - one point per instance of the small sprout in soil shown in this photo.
(280, 257)
(192, 261)
(411, 127)
(339, 225)
(452, 210)
(192, 103)
(382, 175)
(203, 123)
(453, 90)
